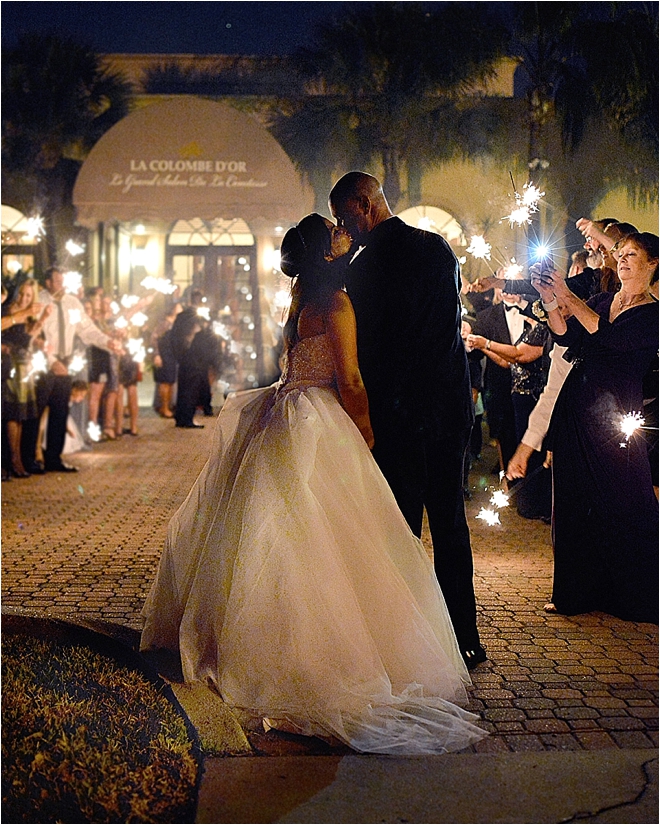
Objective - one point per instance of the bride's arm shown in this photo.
(341, 331)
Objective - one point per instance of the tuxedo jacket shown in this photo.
(404, 285)
(491, 323)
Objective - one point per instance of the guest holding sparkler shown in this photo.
(528, 360)
(503, 323)
(102, 372)
(66, 320)
(164, 362)
(605, 512)
(24, 322)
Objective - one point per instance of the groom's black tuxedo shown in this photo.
(404, 286)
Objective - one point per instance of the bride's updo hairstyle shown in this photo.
(315, 280)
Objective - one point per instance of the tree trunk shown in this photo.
(391, 177)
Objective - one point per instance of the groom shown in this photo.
(404, 286)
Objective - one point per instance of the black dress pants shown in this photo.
(54, 392)
(190, 389)
(425, 470)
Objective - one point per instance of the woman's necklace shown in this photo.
(636, 299)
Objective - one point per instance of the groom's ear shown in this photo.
(364, 203)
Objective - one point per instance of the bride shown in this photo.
(290, 581)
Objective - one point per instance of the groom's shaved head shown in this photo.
(358, 203)
(356, 185)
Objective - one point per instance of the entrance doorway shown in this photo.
(219, 259)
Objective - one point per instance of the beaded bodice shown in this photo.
(309, 364)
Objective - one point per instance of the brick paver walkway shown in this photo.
(86, 545)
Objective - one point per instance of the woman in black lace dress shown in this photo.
(605, 512)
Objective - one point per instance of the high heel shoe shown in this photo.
(108, 435)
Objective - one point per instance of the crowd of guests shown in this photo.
(559, 361)
(569, 381)
(72, 363)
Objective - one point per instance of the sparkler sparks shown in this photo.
(499, 499)
(489, 516)
(73, 248)
(139, 319)
(519, 216)
(35, 228)
(136, 349)
(630, 423)
(512, 271)
(531, 196)
(479, 247)
(77, 364)
(163, 285)
(526, 205)
(38, 364)
(94, 431)
(72, 282)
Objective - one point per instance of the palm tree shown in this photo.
(618, 68)
(588, 71)
(377, 81)
(57, 100)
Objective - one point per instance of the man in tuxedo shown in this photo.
(404, 285)
(503, 323)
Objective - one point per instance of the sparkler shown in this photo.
(136, 349)
(479, 247)
(163, 285)
(72, 282)
(35, 228)
(73, 248)
(531, 196)
(78, 364)
(526, 205)
(121, 323)
(94, 431)
(489, 516)
(519, 216)
(499, 499)
(38, 364)
(139, 319)
(128, 301)
(630, 423)
(512, 271)
(75, 316)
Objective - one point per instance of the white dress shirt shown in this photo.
(76, 323)
(515, 321)
(539, 418)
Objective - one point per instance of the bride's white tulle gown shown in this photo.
(291, 582)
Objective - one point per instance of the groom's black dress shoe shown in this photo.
(474, 657)
(36, 468)
(61, 468)
(191, 426)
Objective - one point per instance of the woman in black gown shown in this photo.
(605, 512)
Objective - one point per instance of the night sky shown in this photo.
(188, 28)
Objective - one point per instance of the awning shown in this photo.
(189, 158)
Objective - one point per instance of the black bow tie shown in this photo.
(508, 307)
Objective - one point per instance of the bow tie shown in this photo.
(509, 307)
